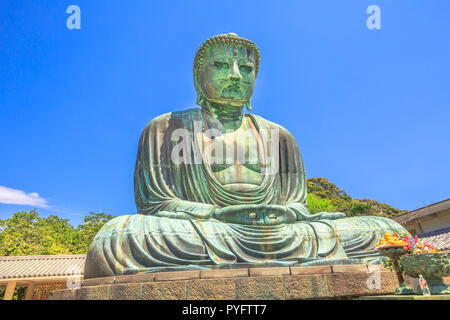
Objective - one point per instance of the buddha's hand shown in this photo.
(332, 215)
(255, 214)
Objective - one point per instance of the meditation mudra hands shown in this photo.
(255, 214)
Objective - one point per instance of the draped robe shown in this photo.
(175, 229)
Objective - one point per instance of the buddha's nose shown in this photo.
(235, 74)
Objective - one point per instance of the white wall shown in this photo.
(440, 222)
(430, 223)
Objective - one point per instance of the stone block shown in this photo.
(349, 268)
(375, 267)
(66, 294)
(211, 289)
(164, 290)
(224, 273)
(311, 270)
(260, 288)
(264, 272)
(136, 278)
(177, 275)
(349, 284)
(97, 281)
(307, 286)
(388, 283)
(314, 282)
(92, 293)
(126, 291)
(407, 297)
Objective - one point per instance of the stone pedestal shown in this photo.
(280, 283)
(407, 297)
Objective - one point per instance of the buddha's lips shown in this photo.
(233, 86)
(232, 89)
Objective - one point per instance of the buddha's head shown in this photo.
(225, 69)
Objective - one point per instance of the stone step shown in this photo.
(315, 282)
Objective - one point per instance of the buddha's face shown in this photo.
(228, 74)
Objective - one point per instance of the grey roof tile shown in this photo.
(440, 239)
(40, 266)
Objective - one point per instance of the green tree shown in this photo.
(20, 235)
(342, 202)
(26, 233)
(316, 204)
(58, 235)
(323, 188)
(86, 232)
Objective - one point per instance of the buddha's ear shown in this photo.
(248, 105)
(198, 89)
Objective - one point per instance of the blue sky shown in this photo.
(370, 109)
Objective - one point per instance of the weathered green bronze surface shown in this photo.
(432, 266)
(217, 188)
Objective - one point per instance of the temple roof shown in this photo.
(423, 212)
(14, 267)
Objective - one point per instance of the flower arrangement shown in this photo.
(414, 253)
(411, 245)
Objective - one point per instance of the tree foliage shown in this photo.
(86, 232)
(317, 204)
(334, 197)
(26, 233)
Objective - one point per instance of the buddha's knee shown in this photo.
(128, 223)
(116, 223)
(368, 224)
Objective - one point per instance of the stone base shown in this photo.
(411, 297)
(278, 283)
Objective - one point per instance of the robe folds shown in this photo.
(176, 194)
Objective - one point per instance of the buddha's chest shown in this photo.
(235, 157)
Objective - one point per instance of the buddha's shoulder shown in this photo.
(165, 120)
(262, 122)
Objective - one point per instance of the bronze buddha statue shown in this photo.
(219, 188)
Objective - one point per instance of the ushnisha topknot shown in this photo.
(229, 38)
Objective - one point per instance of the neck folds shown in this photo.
(226, 114)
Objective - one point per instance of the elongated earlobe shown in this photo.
(200, 99)
(248, 105)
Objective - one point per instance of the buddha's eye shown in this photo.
(221, 65)
(245, 69)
